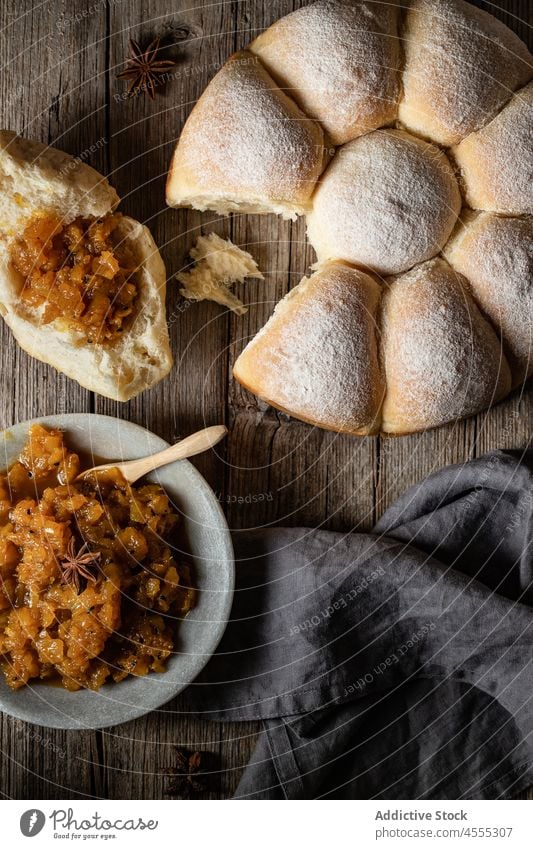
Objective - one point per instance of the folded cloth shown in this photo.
(391, 665)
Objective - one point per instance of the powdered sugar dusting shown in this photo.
(317, 355)
(497, 162)
(442, 359)
(495, 254)
(340, 62)
(461, 66)
(387, 201)
(246, 140)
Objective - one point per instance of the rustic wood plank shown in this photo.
(262, 440)
(53, 89)
(142, 137)
(43, 763)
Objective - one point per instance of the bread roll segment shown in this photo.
(246, 147)
(339, 61)
(37, 179)
(461, 66)
(495, 254)
(496, 163)
(442, 359)
(387, 201)
(317, 356)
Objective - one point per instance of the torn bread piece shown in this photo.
(81, 286)
(218, 264)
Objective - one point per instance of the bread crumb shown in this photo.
(218, 264)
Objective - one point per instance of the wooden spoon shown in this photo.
(132, 470)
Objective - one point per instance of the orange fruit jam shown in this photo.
(75, 271)
(113, 616)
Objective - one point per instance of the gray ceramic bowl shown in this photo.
(208, 541)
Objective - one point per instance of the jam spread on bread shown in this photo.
(78, 274)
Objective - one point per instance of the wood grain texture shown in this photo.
(58, 84)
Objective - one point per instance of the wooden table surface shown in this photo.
(59, 60)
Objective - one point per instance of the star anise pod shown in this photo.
(192, 773)
(74, 565)
(144, 68)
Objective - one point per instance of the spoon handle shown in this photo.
(188, 447)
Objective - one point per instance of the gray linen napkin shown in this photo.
(392, 665)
